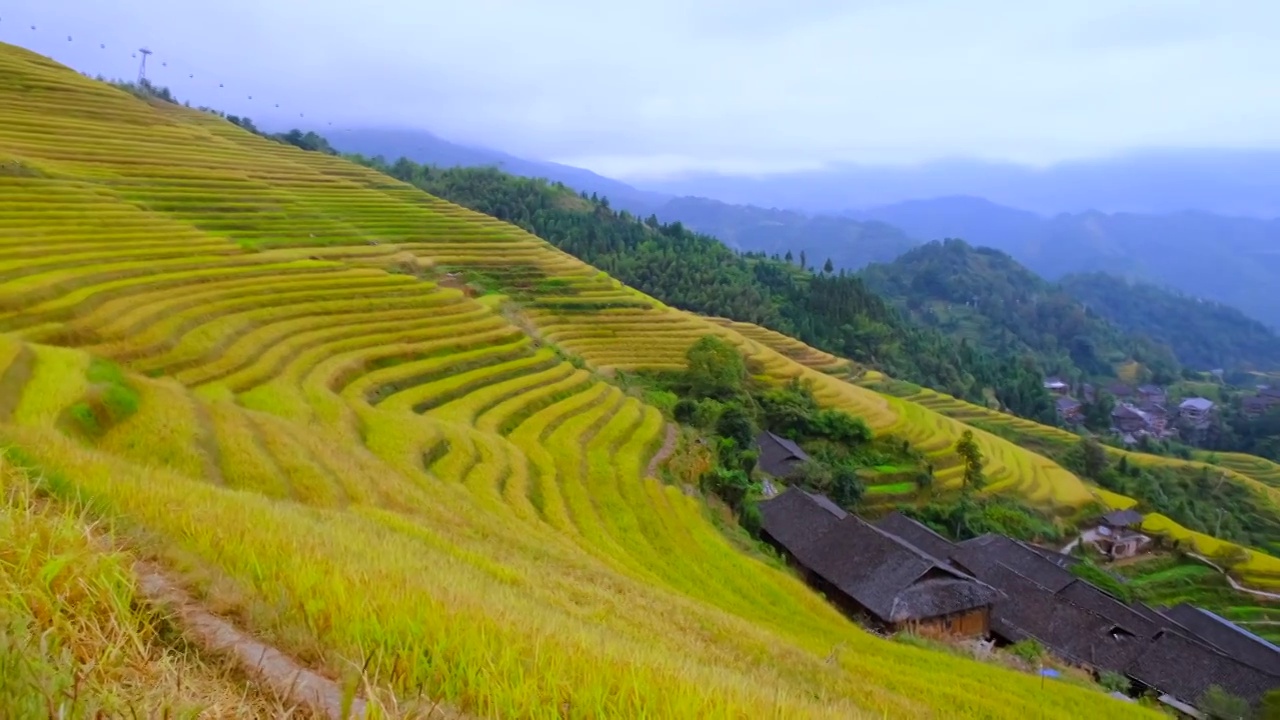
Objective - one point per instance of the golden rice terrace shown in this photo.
(256, 366)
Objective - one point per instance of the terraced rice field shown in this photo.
(1013, 468)
(1009, 467)
(258, 366)
(1169, 581)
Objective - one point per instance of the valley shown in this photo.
(394, 437)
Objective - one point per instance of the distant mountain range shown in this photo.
(423, 147)
(985, 297)
(849, 242)
(1092, 323)
(1226, 182)
(1231, 260)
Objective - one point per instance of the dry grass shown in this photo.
(77, 641)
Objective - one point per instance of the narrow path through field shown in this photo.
(284, 675)
(1232, 581)
(281, 673)
(666, 451)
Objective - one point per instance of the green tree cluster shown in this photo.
(1237, 513)
(971, 454)
(717, 395)
(969, 516)
(985, 295)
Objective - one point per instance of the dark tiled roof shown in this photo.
(828, 504)
(981, 552)
(1120, 389)
(778, 455)
(1057, 558)
(1185, 669)
(1152, 616)
(891, 578)
(1066, 404)
(1124, 410)
(1122, 518)
(1069, 631)
(1227, 636)
(796, 520)
(1153, 408)
(918, 534)
(1091, 598)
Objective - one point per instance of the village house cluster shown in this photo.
(899, 575)
(1264, 401)
(1139, 412)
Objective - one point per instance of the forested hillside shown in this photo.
(832, 311)
(1202, 333)
(1230, 260)
(985, 297)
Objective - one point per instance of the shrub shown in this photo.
(714, 368)
(685, 411)
(750, 517)
(736, 424)
(1270, 708)
(840, 427)
(1030, 650)
(1222, 705)
(664, 400)
(1113, 681)
(1086, 570)
(732, 486)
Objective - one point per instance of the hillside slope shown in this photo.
(1256, 480)
(424, 147)
(985, 297)
(1202, 333)
(1227, 259)
(250, 361)
(848, 243)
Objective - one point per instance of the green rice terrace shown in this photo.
(377, 432)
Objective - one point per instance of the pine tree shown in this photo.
(968, 449)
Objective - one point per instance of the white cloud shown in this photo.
(735, 85)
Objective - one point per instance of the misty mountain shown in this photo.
(424, 147)
(1227, 182)
(1226, 259)
(848, 243)
(1203, 334)
(1231, 260)
(984, 297)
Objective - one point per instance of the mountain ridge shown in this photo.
(1053, 244)
(1153, 181)
(1230, 260)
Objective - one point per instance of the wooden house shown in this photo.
(779, 456)
(874, 576)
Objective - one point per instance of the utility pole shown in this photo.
(142, 68)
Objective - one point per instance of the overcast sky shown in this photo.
(646, 88)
